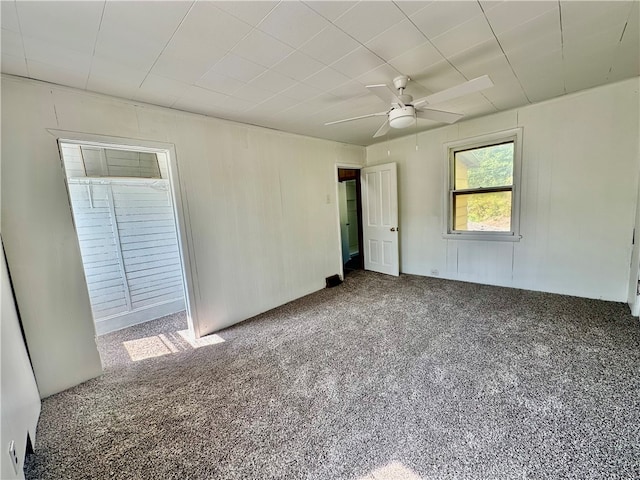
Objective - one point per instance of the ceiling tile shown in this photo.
(270, 107)
(207, 31)
(411, 7)
(330, 10)
(117, 46)
(506, 95)
(262, 49)
(476, 58)
(509, 14)
(110, 71)
(237, 67)
(588, 43)
(181, 68)
(327, 79)
(218, 82)
(70, 24)
(253, 92)
(368, 19)
(56, 74)
(357, 62)
(204, 97)
(382, 74)
(251, 12)
(349, 90)
(301, 92)
(597, 15)
(540, 33)
(9, 16)
(135, 17)
(12, 43)
(439, 77)
(110, 87)
(397, 40)
(298, 66)
(52, 54)
(14, 65)
(438, 17)
(273, 81)
(417, 59)
(293, 23)
(329, 45)
(464, 36)
(164, 86)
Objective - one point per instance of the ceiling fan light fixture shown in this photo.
(402, 117)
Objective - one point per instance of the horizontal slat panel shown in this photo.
(98, 258)
(168, 292)
(148, 251)
(149, 244)
(97, 293)
(150, 261)
(116, 302)
(148, 237)
(97, 285)
(133, 228)
(155, 280)
(141, 217)
(151, 272)
(173, 282)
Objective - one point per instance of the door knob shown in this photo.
(393, 229)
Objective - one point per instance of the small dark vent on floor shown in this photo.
(333, 281)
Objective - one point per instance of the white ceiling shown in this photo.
(293, 66)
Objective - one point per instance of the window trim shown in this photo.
(515, 135)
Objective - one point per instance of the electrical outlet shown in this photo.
(13, 455)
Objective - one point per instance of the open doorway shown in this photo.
(123, 209)
(350, 208)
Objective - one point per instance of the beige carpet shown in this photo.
(378, 378)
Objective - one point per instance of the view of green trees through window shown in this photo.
(489, 170)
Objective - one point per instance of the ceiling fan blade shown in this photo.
(383, 129)
(465, 88)
(438, 115)
(379, 114)
(385, 93)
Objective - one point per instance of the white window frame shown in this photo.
(450, 149)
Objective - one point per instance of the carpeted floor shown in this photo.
(378, 378)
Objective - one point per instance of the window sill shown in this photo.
(490, 237)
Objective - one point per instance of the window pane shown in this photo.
(484, 167)
(482, 212)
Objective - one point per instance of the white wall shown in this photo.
(578, 197)
(19, 399)
(259, 204)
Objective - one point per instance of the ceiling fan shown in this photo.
(404, 109)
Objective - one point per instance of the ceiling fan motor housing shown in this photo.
(402, 117)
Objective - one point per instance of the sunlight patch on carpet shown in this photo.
(147, 347)
(202, 341)
(392, 471)
(159, 345)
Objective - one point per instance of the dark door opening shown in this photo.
(350, 203)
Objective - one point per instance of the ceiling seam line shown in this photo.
(166, 44)
(564, 81)
(504, 53)
(24, 50)
(95, 44)
(438, 50)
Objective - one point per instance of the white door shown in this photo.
(344, 221)
(380, 218)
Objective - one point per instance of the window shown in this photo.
(482, 187)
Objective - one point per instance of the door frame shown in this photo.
(350, 166)
(180, 209)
